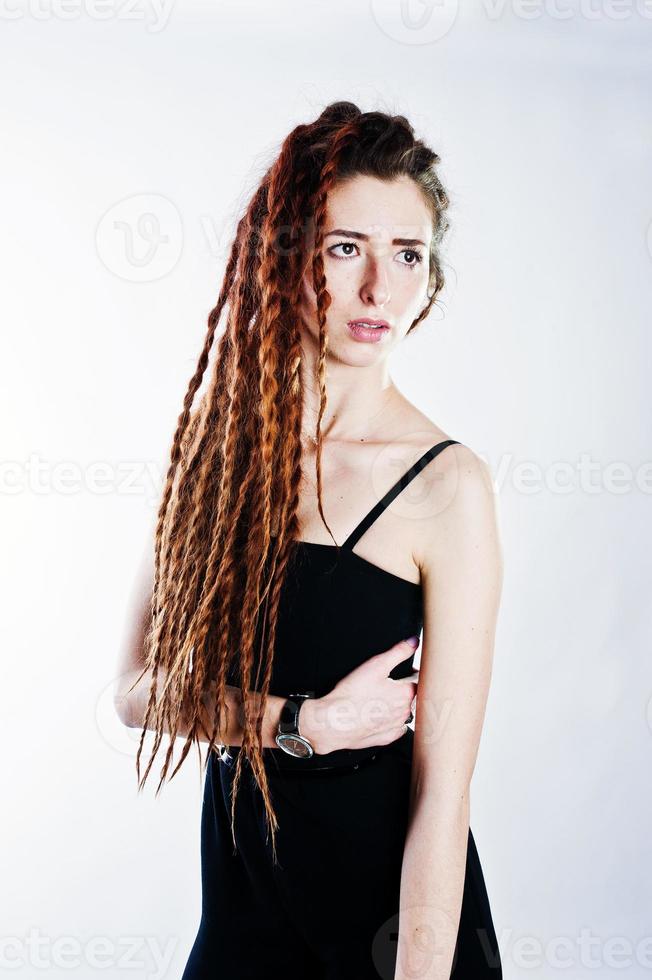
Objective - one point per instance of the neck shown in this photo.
(359, 399)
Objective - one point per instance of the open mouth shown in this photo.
(365, 330)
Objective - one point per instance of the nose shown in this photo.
(375, 287)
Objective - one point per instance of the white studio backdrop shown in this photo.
(537, 358)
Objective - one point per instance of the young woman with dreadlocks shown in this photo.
(287, 649)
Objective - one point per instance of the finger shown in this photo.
(398, 731)
(384, 736)
(402, 650)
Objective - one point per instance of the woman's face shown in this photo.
(376, 260)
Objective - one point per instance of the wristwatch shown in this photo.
(288, 736)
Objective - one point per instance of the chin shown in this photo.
(356, 355)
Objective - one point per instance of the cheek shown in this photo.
(413, 293)
(341, 287)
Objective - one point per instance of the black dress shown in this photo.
(330, 911)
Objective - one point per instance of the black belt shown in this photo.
(282, 762)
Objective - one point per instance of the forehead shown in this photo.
(378, 208)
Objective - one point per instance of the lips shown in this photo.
(368, 331)
(367, 322)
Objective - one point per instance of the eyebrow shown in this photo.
(343, 233)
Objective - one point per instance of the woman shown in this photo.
(271, 635)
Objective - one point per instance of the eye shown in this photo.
(342, 245)
(417, 257)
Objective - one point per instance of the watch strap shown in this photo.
(289, 720)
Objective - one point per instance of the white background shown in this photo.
(537, 358)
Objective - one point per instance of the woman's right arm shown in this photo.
(366, 708)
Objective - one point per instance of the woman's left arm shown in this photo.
(462, 573)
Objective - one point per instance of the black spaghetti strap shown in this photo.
(400, 485)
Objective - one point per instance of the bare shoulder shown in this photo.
(460, 466)
(452, 499)
(419, 434)
(458, 509)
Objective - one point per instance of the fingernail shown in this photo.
(413, 641)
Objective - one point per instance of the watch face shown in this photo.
(294, 745)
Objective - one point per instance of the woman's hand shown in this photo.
(365, 708)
